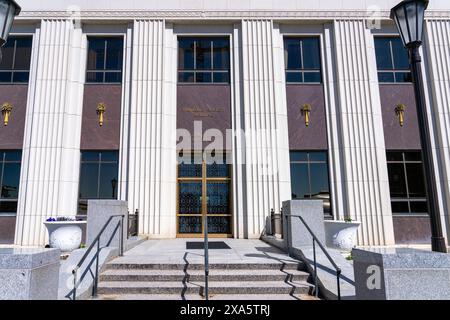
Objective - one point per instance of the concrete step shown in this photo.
(196, 287)
(199, 266)
(198, 275)
(193, 297)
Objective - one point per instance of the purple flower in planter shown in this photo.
(50, 219)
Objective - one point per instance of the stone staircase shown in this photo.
(233, 281)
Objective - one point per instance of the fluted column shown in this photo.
(151, 150)
(265, 123)
(365, 180)
(437, 61)
(51, 152)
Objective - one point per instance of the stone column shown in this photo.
(51, 149)
(265, 123)
(364, 185)
(150, 152)
(436, 74)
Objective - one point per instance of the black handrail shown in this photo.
(315, 239)
(97, 256)
(206, 249)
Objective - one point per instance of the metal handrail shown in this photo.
(97, 256)
(315, 239)
(206, 249)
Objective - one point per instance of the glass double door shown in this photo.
(204, 191)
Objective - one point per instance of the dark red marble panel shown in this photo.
(412, 230)
(7, 229)
(11, 136)
(94, 136)
(301, 137)
(397, 137)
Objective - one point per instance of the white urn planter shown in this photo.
(65, 235)
(341, 235)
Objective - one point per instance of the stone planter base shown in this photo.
(341, 235)
(65, 235)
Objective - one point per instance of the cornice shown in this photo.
(223, 15)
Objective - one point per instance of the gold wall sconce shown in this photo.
(400, 112)
(101, 109)
(306, 112)
(6, 112)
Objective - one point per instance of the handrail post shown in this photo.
(316, 289)
(206, 257)
(121, 236)
(74, 272)
(94, 288)
(338, 276)
(137, 222)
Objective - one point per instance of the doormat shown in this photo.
(211, 245)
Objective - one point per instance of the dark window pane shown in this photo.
(8, 206)
(386, 77)
(203, 77)
(94, 77)
(300, 181)
(186, 77)
(89, 181)
(221, 170)
(403, 77)
(114, 53)
(221, 54)
(413, 156)
(90, 156)
(401, 59)
(319, 179)
(318, 156)
(383, 54)
(113, 77)
(186, 54)
(11, 178)
(292, 53)
(397, 183)
(221, 77)
(419, 207)
(190, 225)
(5, 76)
(13, 156)
(298, 156)
(218, 194)
(190, 194)
(108, 181)
(203, 54)
(314, 77)
(8, 55)
(416, 181)
(96, 54)
(394, 156)
(109, 156)
(400, 207)
(21, 76)
(220, 225)
(311, 54)
(23, 54)
(294, 77)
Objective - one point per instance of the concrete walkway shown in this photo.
(174, 251)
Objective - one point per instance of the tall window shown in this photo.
(98, 176)
(105, 59)
(302, 60)
(309, 177)
(15, 66)
(203, 60)
(392, 60)
(406, 182)
(9, 180)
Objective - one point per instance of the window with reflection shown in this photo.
(15, 65)
(309, 177)
(105, 59)
(302, 60)
(98, 176)
(203, 60)
(392, 60)
(10, 162)
(407, 182)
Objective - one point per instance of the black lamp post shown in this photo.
(8, 10)
(409, 18)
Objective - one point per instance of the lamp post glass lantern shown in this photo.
(8, 10)
(409, 18)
